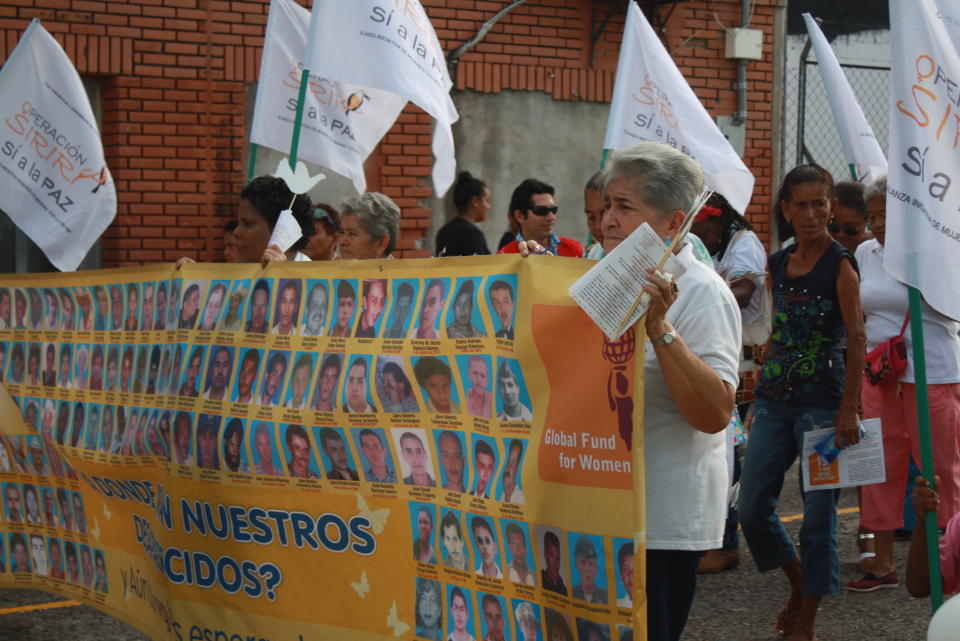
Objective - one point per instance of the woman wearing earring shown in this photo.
(461, 236)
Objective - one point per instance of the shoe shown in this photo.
(870, 583)
(718, 560)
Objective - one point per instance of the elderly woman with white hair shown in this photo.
(690, 374)
(371, 226)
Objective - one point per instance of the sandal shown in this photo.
(786, 620)
(867, 546)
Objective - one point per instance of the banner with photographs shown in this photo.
(404, 449)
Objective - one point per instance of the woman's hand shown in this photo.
(183, 261)
(662, 294)
(847, 428)
(272, 253)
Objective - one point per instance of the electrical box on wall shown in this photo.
(744, 44)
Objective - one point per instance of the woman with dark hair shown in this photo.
(461, 236)
(396, 392)
(805, 384)
(323, 245)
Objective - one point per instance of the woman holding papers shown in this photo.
(803, 386)
(894, 399)
(690, 378)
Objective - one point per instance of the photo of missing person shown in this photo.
(81, 367)
(19, 557)
(246, 380)
(140, 370)
(12, 503)
(485, 462)
(325, 392)
(337, 459)
(460, 624)
(493, 617)
(49, 376)
(116, 307)
(189, 387)
(428, 320)
(416, 462)
(65, 371)
(373, 301)
(453, 548)
(274, 375)
(501, 297)
(234, 452)
(146, 310)
(132, 318)
(17, 360)
(208, 433)
(296, 444)
(287, 307)
(259, 312)
(36, 308)
(160, 311)
(552, 569)
(106, 430)
(558, 625)
(520, 564)
(232, 318)
(218, 373)
(513, 400)
(623, 549)
(453, 464)
(356, 391)
(526, 617)
(173, 303)
(6, 309)
(510, 489)
(190, 305)
(394, 387)
(429, 609)
(588, 630)
(435, 379)
(588, 570)
(315, 309)
(298, 394)
(463, 316)
(213, 305)
(153, 371)
(68, 320)
(475, 372)
(266, 460)
(485, 547)
(182, 450)
(100, 568)
(375, 457)
(404, 296)
(86, 565)
(423, 517)
(84, 300)
(345, 308)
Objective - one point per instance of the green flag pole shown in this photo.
(253, 161)
(298, 119)
(926, 448)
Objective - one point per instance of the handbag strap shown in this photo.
(906, 321)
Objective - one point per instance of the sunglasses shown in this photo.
(848, 230)
(323, 215)
(543, 210)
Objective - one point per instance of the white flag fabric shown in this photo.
(652, 101)
(393, 47)
(342, 122)
(54, 181)
(923, 220)
(859, 144)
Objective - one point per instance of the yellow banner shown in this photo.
(422, 449)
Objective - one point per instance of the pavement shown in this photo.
(737, 605)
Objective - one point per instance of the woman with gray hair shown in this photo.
(690, 370)
(371, 226)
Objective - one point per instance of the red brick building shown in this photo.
(174, 75)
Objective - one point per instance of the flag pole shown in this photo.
(298, 119)
(253, 161)
(926, 447)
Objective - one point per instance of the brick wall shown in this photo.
(173, 75)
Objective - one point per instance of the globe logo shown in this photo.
(621, 350)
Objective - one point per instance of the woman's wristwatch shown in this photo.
(666, 339)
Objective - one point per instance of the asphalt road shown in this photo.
(738, 605)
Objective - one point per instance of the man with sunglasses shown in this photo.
(533, 208)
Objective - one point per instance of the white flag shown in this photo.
(54, 181)
(859, 144)
(923, 219)
(390, 46)
(342, 123)
(652, 101)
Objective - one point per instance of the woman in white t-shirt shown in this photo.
(885, 306)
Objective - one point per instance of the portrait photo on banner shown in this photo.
(463, 319)
(502, 300)
(404, 297)
(344, 309)
(431, 309)
(328, 381)
(451, 452)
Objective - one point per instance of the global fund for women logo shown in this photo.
(619, 389)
